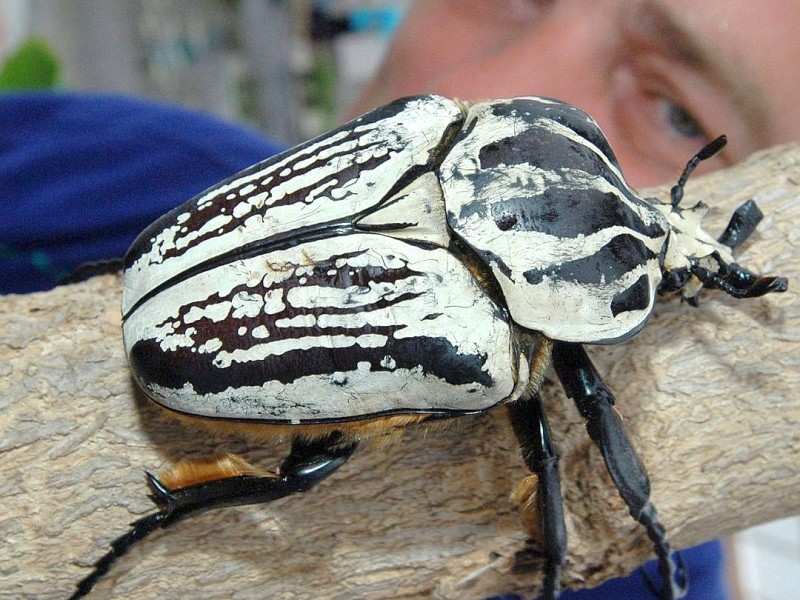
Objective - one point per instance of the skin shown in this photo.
(662, 77)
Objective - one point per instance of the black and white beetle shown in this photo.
(427, 260)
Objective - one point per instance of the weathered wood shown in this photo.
(711, 397)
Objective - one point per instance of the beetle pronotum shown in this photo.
(429, 259)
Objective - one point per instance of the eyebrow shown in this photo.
(656, 22)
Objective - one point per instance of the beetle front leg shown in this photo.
(743, 223)
(595, 402)
(540, 500)
(308, 463)
(738, 282)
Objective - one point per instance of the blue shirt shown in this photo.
(82, 175)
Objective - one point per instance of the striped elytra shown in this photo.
(392, 266)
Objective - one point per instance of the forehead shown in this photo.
(749, 49)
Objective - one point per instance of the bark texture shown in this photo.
(710, 396)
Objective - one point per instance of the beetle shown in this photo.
(430, 259)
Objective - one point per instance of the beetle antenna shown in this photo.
(707, 151)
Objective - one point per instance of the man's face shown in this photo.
(662, 77)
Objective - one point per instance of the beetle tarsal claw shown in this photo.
(160, 493)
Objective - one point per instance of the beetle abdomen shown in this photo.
(340, 328)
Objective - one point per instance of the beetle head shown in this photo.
(692, 259)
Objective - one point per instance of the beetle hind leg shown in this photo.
(308, 463)
(539, 495)
(220, 484)
(595, 402)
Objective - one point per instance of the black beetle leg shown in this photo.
(739, 282)
(595, 402)
(530, 426)
(308, 463)
(743, 223)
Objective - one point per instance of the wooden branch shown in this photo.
(710, 396)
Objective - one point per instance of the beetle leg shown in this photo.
(595, 402)
(530, 426)
(308, 463)
(743, 223)
(739, 282)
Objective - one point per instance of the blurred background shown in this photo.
(288, 69)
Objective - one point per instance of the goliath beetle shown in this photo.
(427, 260)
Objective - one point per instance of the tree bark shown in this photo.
(710, 397)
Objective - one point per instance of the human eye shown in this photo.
(681, 120)
(660, 122)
